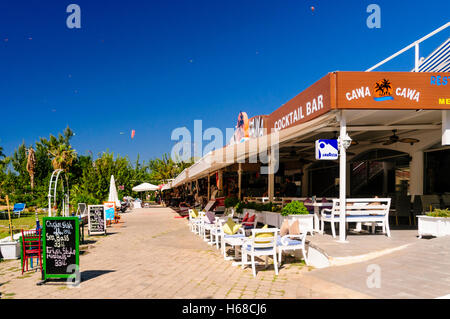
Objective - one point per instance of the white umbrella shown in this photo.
(112, 197)
(145, 187)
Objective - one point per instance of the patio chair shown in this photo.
(261, 246)
(292, 243)
(215, 232)
(229, 239)
(31, 247)
(194, 221)
(207, 224)
(18, 208)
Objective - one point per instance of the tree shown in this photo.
(31, 165)
(165, 168)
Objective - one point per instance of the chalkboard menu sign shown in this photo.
(96, 219)
(60, 246)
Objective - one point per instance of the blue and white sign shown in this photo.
(327, 150)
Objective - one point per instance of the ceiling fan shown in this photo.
(394, 138)
(301, 156)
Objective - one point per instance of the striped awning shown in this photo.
(438, 61)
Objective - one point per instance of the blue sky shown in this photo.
(153, 66)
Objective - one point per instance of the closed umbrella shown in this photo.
(113, 197)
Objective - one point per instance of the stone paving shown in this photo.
(151, 254)
(421, 270)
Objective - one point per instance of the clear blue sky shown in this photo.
(153, 66)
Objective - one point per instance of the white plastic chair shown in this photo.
(194, 223)
(262, 246)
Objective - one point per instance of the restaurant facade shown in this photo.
(392, 131)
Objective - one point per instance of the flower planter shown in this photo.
(10, 249)
(272, 219)
(306, 222)
(433, 226)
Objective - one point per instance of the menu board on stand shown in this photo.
(96, 219)
(60, 247)
(110, 211)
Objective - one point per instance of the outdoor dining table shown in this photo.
(318, 206)
(238, 242)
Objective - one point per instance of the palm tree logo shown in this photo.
(383, 90)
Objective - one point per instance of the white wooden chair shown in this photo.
(359, 210)
(230, 240)
(194, 223)
(292, 243)
(261, 246)
(206, 226)
(215, 233)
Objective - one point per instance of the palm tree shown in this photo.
(31, 165)
(62, 156)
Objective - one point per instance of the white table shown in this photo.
(317, 209)
(236, 242)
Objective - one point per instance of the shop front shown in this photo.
(392, 129)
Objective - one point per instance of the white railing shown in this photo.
(415, 44)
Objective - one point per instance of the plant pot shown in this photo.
(10, 249)
(433, 226)
(306, 222)
(272, 219)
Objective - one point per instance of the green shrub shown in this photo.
(294, 208)
(439, 213)
(231, 202)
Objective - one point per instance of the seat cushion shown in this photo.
(284, 230)
(230, 227)
(211, 217)
(250, 220)
(289, 241)
(234, 236)
(249, 248)
(294, 229)
(263, 235)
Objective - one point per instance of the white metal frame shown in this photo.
(53, 187)
(415, 44)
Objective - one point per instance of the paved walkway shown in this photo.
(150, 254)
(421, 270)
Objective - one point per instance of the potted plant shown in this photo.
(435, 223)
(10, 247)
(296, 210)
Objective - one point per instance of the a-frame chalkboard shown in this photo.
(60, 246)
(96, 219)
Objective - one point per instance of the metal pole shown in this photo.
(9, 217)
(416, 58)
(342, 177)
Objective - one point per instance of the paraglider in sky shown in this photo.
(133, 132)
(312, 8)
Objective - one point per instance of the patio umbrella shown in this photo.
(145, 187)
(113, 197)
